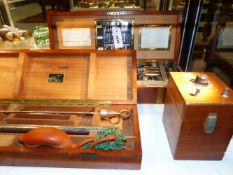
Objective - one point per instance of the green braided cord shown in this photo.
(118, 144)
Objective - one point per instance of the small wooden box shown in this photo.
(68, 80)
(197, 127)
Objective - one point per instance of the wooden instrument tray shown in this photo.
(35, 83)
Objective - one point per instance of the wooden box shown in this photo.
(198, 127)
(68, 81)
(58, 22)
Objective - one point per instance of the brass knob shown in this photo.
(201, 80)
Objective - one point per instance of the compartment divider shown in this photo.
(92, 75)
(23, 63)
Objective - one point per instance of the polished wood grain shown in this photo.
(93, 75)
(150, 95)
(8, 67)
(178, 39)
(208, 95)
(206, 146)
(146, 95)
(88, 75)
(13, 153)
(185, 115)
(176, 97)
(71, 159)
(22, 66)
(173, 114)
(75, 70)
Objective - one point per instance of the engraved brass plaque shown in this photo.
(56, 78)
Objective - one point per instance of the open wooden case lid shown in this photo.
(107, 76)
(152, 23)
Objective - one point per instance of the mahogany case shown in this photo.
(198, 127)
(64, 81)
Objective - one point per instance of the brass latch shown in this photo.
(210, 123)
